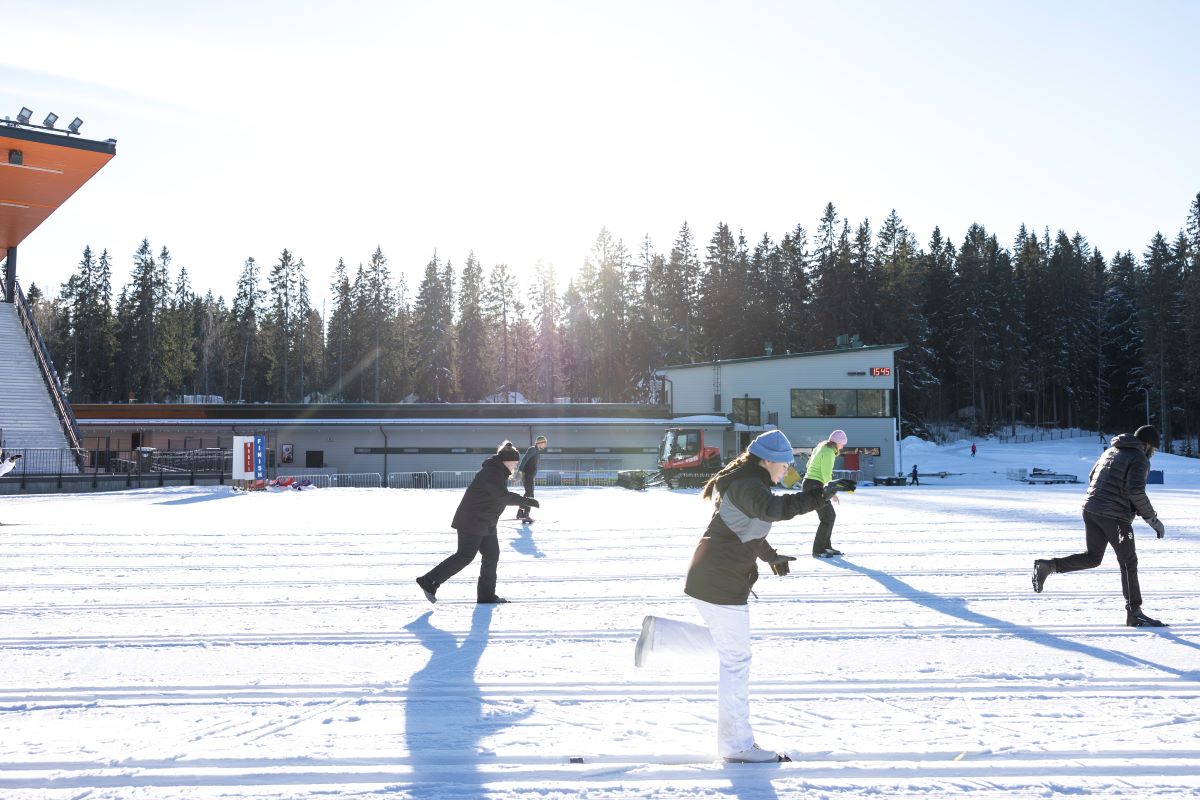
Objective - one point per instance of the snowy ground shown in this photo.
(193, 643)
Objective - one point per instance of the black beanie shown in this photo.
(1148, 434)
(507, 452)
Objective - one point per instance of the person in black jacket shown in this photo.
(721, 575)
(475, 520)
(528, 469)
(1116, 491)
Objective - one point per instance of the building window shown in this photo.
(841, 403)
(314, 459)
(874, 403)
(747, 410)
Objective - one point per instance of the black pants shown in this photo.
(1101, 532)
(523, 511)
(825, 513)
(471, 542)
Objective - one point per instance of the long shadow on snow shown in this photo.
(524, 543)
(445, 716)
(957, 607)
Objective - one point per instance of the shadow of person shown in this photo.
(444, 719)
(957, 607)
(524, 543)
(752, 781)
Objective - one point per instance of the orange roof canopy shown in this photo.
(53, 168)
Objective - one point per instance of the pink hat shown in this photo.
(838, 437)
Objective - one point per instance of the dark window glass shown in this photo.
(806, 402)
(747, 410)
(314, 459)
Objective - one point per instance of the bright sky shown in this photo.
(519, 129)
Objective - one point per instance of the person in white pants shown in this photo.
(722, 572)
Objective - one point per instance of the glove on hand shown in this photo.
(532, 502)
(840, 485)
(1156, 523)
(779, 565)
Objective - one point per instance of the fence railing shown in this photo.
(62, 408)
(1051, 434)
(146, 466)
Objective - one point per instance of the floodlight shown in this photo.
(51, 118)
(24, 116)
(74, 126)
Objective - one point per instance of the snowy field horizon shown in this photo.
(193, 643)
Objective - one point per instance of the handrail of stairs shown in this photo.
(61, 406)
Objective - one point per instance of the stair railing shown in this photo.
(62, 407)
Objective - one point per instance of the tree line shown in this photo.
(1043, 331)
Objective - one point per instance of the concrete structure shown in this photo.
(387, 438)
(805, 395)
(40, 168)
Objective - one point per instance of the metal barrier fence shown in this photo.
(319, 480)
(357, 480)
(408, 480)
(42, 461)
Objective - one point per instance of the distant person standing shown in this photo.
(475, 520)
(916, 477)
(1116, 492)
(972, 449)
(528, 468)
(819, 473)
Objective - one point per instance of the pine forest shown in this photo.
(1043, 330)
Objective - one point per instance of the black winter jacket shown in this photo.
(1117, 485)
(529, 461)
(485, 498)
(723, 567)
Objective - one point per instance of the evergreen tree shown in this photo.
(798, 332)
(498, 301)
(722, 291)
(279, 326)
(339, 361)
(1160, 312)
(473, 343)
(546, 320)
(246, 347)
(432, 332)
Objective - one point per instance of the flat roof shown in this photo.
(370, 413)
(54, 166)
(807, 354)
(390, 422)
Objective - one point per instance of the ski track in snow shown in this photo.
(259, 646)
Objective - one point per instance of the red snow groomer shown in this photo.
(684, 460)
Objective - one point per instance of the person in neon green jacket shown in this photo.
(819, 473)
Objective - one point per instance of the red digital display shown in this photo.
(880, 371)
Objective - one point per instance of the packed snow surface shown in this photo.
(196, 643)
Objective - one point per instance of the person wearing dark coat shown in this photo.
(722, 573)
(475, 521)
(528, 469)
(1116, 492)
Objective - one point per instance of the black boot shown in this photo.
(428, 587)
(1134, 618)
(1041, 569)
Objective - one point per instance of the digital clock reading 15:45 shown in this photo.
(880, 371)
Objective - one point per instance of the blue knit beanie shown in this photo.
(772, 446)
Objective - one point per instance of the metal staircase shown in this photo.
(35, 417)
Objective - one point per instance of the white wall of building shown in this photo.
(771, 380)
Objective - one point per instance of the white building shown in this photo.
(805, 395)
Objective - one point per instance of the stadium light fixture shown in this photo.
(24, 116)
(74, 126)
(51, 118)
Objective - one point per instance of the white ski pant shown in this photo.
(728, 635)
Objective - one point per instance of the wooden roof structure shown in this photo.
(39, 170)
